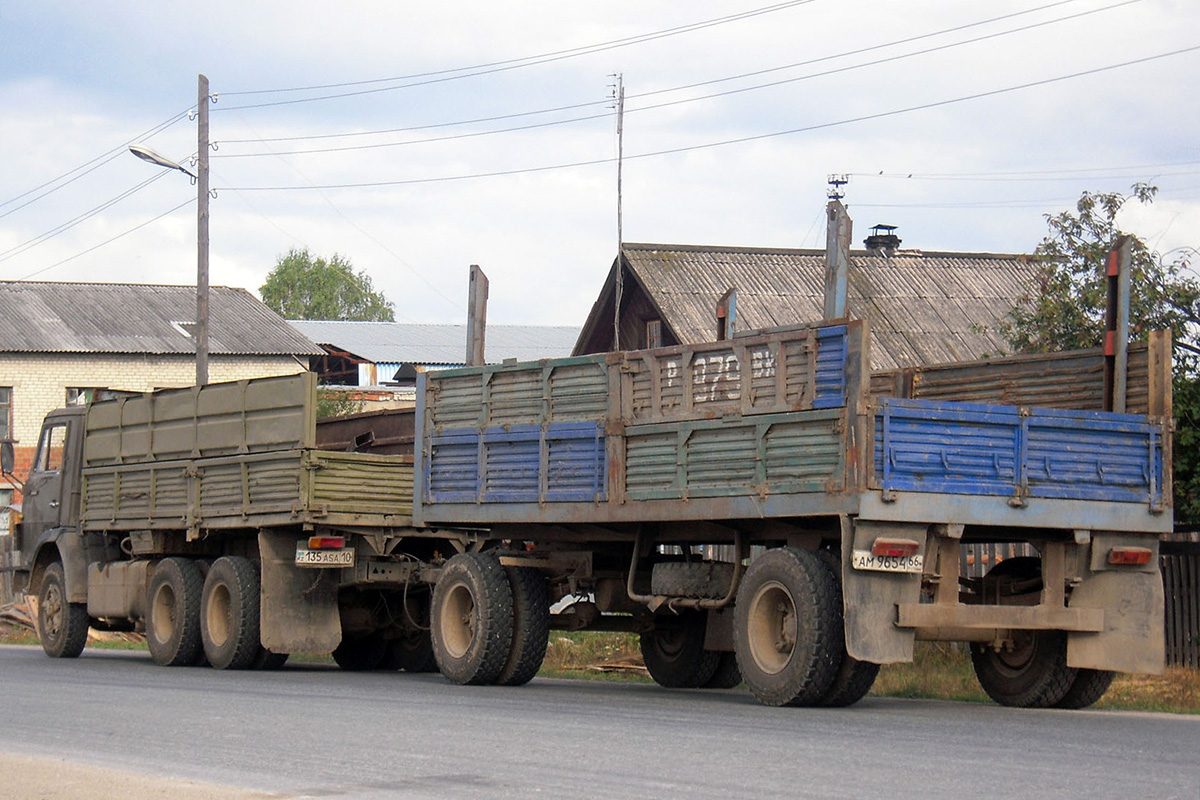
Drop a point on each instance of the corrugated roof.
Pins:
(923, 307)
(404, 343)
(47, 317)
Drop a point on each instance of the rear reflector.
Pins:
(900, 548)
(1130, 556)
(326, 542)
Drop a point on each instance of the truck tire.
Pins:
(267, 660)
(361, 653)
(1033, 673)
(727, 675)
(531, 626)
(787, 628)
(674, 651)
(1088, 687)
(472, 619)
(411, 652)
(229, 614)
(854, 678)
(173, 612)
(62, 625)
(709, 579)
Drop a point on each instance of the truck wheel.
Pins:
(173, 612)
(62, 625)
(727, 674)
(531, 626)
(361, 653)
(1089, 686)
(787, 628)
(267, 660)
(1033, 673)
(472, 619)
(229, 614)
(854, 678)
(674, 651)
(411, 652)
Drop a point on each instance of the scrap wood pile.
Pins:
(16, 614)
(23, 616)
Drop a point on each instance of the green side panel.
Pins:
(362, 483)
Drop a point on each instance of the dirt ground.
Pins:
(41, 778)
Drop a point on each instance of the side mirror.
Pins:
(8, 459)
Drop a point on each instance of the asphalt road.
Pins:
(313, 731)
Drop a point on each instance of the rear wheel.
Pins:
(229, 615)
(361, 653)
(531, 626)
(674, 651)
(1088, 687)
(854, 678)
(727, 674)
(788, 628)
(173, 612)
(62, 625)
(267, 660)
(411, 652)
(472, 619)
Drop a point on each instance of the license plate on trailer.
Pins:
(865, 559)
(324, 558)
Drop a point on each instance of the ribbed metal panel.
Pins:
(354, 482)
(455, 401)
(650, 461)
(805, 451)
(579, 392)
(515, 397)
(723, 458)
(452, 469)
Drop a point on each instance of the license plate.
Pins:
(865, 559)
(325, 558)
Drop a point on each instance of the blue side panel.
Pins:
(965, 448)
(831, 367)
(518, 464)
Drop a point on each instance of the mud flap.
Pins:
(299, 611)
(1133, 639)
(870, 598)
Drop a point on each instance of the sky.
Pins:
(416, 139)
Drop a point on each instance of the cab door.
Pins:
(46, 505)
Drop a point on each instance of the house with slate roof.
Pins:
(386, 353)
(922, 307)
(62, 342)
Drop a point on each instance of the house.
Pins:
(922, 307)
(61, 342)
(386, 353)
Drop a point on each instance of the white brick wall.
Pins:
(39, 380)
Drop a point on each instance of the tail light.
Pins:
(899, 548)
(1130, 556)
(326, 542)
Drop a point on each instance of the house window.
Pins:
(80, 396)
(5, 413)
(653, 333)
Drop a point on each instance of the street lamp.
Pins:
(201, 179)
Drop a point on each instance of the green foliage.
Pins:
(1065, 310)
(334, 403)
(303, 287)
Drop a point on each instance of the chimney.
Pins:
(883, 237)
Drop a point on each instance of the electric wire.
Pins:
(741, 139)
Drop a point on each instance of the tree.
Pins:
(303, 287)
(1065, 310)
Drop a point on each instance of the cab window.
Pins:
(50, 449)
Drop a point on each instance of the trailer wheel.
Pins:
(268, 660)
(531, 626)
(173, 613)
(727, 674)
(787, 624)
(1089, 686)
(1033, 671)
(361, 653)
(674, 651)
(62, 625)
(472, 619)
(229, 614)
(854, 678)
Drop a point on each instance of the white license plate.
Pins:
(865, 559)
(325, 558)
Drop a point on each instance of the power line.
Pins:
(682, 88)
(739, 140)
(1032, 175)
(109, 241)
(425, 78)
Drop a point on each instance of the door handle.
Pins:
(54, 504)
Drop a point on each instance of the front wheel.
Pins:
(788, 628)
(472, 619)
(62, 625)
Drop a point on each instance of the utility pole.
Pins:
(619, 91)
(837, 250)
(202, 234)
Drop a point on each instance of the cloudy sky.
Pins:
(416, 139)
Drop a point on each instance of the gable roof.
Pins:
(47, 317)
(404, 343)
(923, 307)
